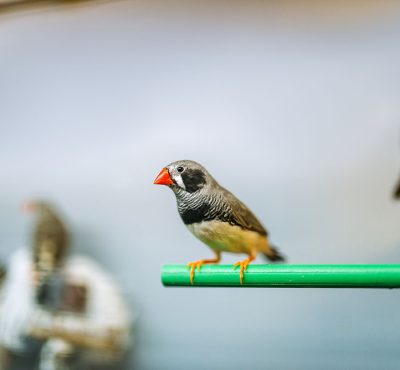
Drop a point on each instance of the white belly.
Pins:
(223, 237)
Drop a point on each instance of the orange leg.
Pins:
(243, 266)
(199, 263)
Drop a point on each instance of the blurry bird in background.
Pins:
(64, 312)
(50, 240)
(215, 216)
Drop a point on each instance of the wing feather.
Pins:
(241, 215)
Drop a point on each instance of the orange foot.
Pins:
(243, 266)
(198, 264)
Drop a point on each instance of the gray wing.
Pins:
(241, 215)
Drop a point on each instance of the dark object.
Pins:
(49, 292)
(55, 295)
(2, 273)
(74, 298)
(396, 193)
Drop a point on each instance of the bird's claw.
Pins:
(243, 266)
(192, 266)
(199, 263)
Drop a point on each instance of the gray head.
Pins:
(185, 176)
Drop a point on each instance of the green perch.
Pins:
(286, 276)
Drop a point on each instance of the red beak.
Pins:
(163, 178)
(28, 207)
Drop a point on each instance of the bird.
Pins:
(49, 241)
(49, 231)
(215, 216)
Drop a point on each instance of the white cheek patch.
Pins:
(179, 181)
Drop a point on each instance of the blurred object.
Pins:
(63, 310)
(55, 355)
(48, 228)
(2, 274)
(50, 240)
(396, 193)
(21, 5)
(11, 3)
(295, 12)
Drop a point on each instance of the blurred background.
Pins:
(293, 106)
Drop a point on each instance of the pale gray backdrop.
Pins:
(297, 113)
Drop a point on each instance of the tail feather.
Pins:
(274, 255)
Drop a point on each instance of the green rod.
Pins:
(286, 276)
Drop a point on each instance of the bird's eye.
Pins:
(180, 169)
